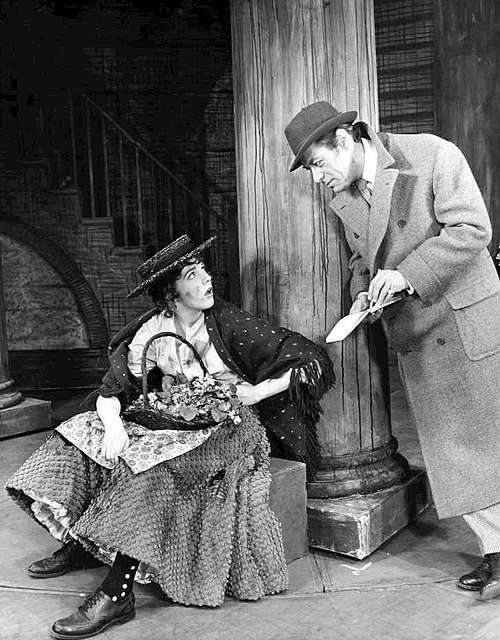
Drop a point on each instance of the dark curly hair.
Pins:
(164, 291)
(357, 131)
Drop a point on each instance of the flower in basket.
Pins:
(200, 401)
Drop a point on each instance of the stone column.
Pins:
(18, 415)
(9, 395)
(293, 265)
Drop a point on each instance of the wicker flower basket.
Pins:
(149, 417)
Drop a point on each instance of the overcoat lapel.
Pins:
(380, 210)
(352, 209)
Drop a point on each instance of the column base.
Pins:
(361, 473)
(357, 525)
(9, 395)
(29, 415)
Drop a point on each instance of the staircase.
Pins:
(84, 185)
(120, 179)
(100, 194)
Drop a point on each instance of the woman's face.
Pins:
(194, 288)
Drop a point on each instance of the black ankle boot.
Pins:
(491, 587)
(69, 557)
(97, 613)
(112, 603)
(476, 579)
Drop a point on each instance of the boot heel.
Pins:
(126, 618)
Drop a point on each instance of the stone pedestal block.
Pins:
(357, 525)
(287, 498)
(29, 415)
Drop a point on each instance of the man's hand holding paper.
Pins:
(385, 284)
(387, 288)
(361, 304)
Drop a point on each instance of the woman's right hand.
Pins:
(115, 440)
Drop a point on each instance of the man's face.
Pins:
(336, 168)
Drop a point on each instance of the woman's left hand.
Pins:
(248, 393)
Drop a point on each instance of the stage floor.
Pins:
(404, 591)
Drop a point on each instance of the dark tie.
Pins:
(364, 190)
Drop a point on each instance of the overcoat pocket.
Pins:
(477, 314)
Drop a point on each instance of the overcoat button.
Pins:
(356, 235)
(401, 223)
(441, 341)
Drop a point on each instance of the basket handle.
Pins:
(144, 354)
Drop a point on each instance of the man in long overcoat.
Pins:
(417, 225)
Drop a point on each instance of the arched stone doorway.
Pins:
(35, 256)
(56, 332)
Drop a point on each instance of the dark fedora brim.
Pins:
(343, 118)
(157, 276)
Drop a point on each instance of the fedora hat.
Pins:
(167, 259)
(310, 124)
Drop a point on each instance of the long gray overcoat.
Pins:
(428, 220)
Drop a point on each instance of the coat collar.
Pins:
(353, 210)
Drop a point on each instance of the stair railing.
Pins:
(119, 178)
(77, 143)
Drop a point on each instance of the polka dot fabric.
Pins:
(255, 350)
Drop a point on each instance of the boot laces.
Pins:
(90, 601)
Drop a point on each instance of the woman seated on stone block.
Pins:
(187, 510)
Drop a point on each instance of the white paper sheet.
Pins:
(347, 324)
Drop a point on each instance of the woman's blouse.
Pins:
(174, 357)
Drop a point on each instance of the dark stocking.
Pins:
(120, 580)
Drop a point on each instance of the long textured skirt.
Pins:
(199, 524)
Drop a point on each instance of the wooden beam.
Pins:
(294, 267)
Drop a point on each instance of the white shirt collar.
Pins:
(370, 167)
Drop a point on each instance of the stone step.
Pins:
(287, 498)
(35, 173)
(30, 415)
(357, 525)
(99, 233)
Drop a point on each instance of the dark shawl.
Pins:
(256, 350)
